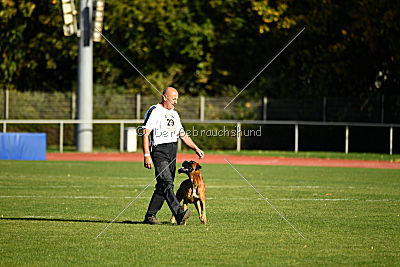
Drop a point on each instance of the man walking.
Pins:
(161, 129)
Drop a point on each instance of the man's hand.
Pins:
(189, 142)
(148, 162)
(200, 153)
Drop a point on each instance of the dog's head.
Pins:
(189, 167)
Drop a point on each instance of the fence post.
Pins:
(61, 137)
(238, 137)
(346, 149)
(138, 104)
(121, 137)
(382, 108)
(296, 138)
(6, 104)
(73, 105)
(324, 109)
(391, 140)
(202, 104)
(4, 127)
(265, 105)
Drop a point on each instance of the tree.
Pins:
(345, 48)
(184, 42)
(35, 56)
(211, 47)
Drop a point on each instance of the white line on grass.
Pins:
(210, 198)
(265, 67)
(140, 186)
(283, 217)
(213, 198)
(72, 177)
(51, 217)
(72, 197)
(280, 186)
(68, 186)
(307, 199)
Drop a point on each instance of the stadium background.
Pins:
(378, 110)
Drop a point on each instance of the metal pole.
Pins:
(238, 137)
(85, 78)
(138, 105)
(202, 104)
(61, 137)
(121, 137)
(73, 105)
(382, 108)
(391, 140)
(265, 106)
(296, 138)
(4, 127)
(324, 108)
(346, 149)
(6, 104)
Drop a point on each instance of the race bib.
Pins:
(170, 123)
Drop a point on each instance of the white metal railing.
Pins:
(238, 124)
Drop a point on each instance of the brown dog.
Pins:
(192, 190)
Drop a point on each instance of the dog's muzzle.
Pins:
(184, 170)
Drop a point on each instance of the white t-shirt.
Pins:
(164, 125)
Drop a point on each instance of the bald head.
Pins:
(169, 98)
(169, 90)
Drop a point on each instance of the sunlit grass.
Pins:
(51, 213)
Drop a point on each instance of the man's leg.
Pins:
(165, 166)
(180, 214)
(172, 201)
(157, 199)
(165, 187)
(156, 202)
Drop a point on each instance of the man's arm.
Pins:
(148, 162)
(189, 142)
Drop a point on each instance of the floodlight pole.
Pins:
(84, 140)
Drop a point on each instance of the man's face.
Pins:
(171, 98)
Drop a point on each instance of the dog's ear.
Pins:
(198, 167)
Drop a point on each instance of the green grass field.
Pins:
(51, 213)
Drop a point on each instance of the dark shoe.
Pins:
(151, 220)
(185, 216)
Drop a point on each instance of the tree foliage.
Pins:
(34, 54)
(211, 47)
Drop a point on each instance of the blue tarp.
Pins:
(23, 146)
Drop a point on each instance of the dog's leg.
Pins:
(184, 206)
(198, 207)
(203, 217)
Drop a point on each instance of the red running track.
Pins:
(251, 160)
